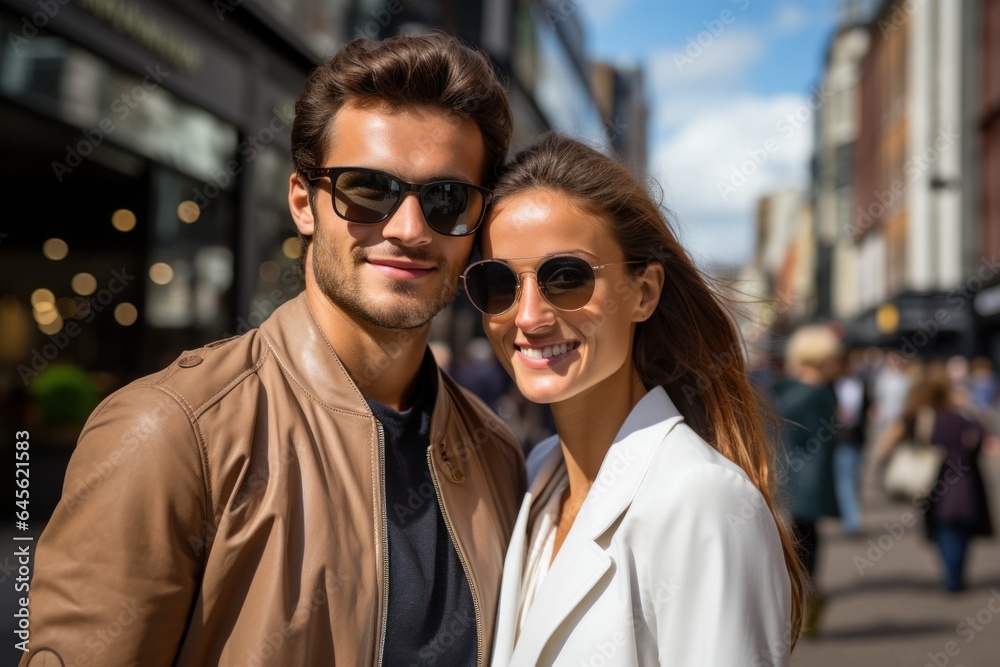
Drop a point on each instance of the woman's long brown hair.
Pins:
(691, 345)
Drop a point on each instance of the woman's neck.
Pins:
(588, 423)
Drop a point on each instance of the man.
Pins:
(314, 492)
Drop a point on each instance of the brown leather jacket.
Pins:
(229, 510)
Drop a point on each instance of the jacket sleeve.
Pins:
(717, 581)
(117, 566)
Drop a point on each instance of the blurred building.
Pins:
(780, 283)
(621, 101)
(987, 113)
(146, 157)
(914, 212)
(836, 258)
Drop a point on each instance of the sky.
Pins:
(727, 81)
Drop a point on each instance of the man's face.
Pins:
(399, 273)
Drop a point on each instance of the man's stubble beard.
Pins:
(342, 287)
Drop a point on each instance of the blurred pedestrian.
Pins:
(956, 510)
(983, 384)
(807, 406)
(853, 403)
(889, 388)
(479, 371)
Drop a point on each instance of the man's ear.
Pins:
(298, 204)
(650, 287)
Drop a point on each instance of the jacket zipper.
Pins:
(385, 543)
(454, 541)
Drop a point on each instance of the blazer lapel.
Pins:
(582, 561)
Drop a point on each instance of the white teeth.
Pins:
(548, 351)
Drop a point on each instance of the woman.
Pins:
(648, 535)
(956, 509)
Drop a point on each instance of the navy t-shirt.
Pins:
(431, 618)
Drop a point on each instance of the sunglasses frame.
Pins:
(333, 173)
(541, 290)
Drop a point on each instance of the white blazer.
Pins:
(674, 559)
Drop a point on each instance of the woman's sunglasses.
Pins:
(368, 196)
(565, 281)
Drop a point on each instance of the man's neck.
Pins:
(384, 363)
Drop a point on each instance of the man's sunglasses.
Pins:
(369, 196)
(565, 281)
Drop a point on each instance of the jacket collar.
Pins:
(624, 466)
(582, 559)
(308, 359)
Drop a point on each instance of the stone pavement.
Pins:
(884, 604)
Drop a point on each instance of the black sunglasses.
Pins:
(565, 281)
(368, 196)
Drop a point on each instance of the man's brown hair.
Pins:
(432, 70)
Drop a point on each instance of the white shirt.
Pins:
(545, 525)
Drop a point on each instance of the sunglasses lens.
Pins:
(491, 287)
(365, 196)
(451, 208)
(567, 282)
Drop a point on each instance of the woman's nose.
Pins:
(533, 311)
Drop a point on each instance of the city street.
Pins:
(897, 612)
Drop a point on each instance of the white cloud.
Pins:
(749, 145)
(789, 18)
(706, 59)
(600, 12)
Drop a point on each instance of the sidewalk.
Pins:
(896, 612)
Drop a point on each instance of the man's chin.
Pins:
(399, 313)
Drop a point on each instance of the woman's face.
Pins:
(529, 338)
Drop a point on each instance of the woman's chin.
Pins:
(545, 393)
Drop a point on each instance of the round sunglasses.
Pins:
(369, 196)
(565, 281)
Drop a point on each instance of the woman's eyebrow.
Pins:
(557, 253)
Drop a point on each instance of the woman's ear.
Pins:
(650, 287)
(298, 204)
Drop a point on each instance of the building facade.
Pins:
(913, 211)
(983, 275)
(837, 283)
